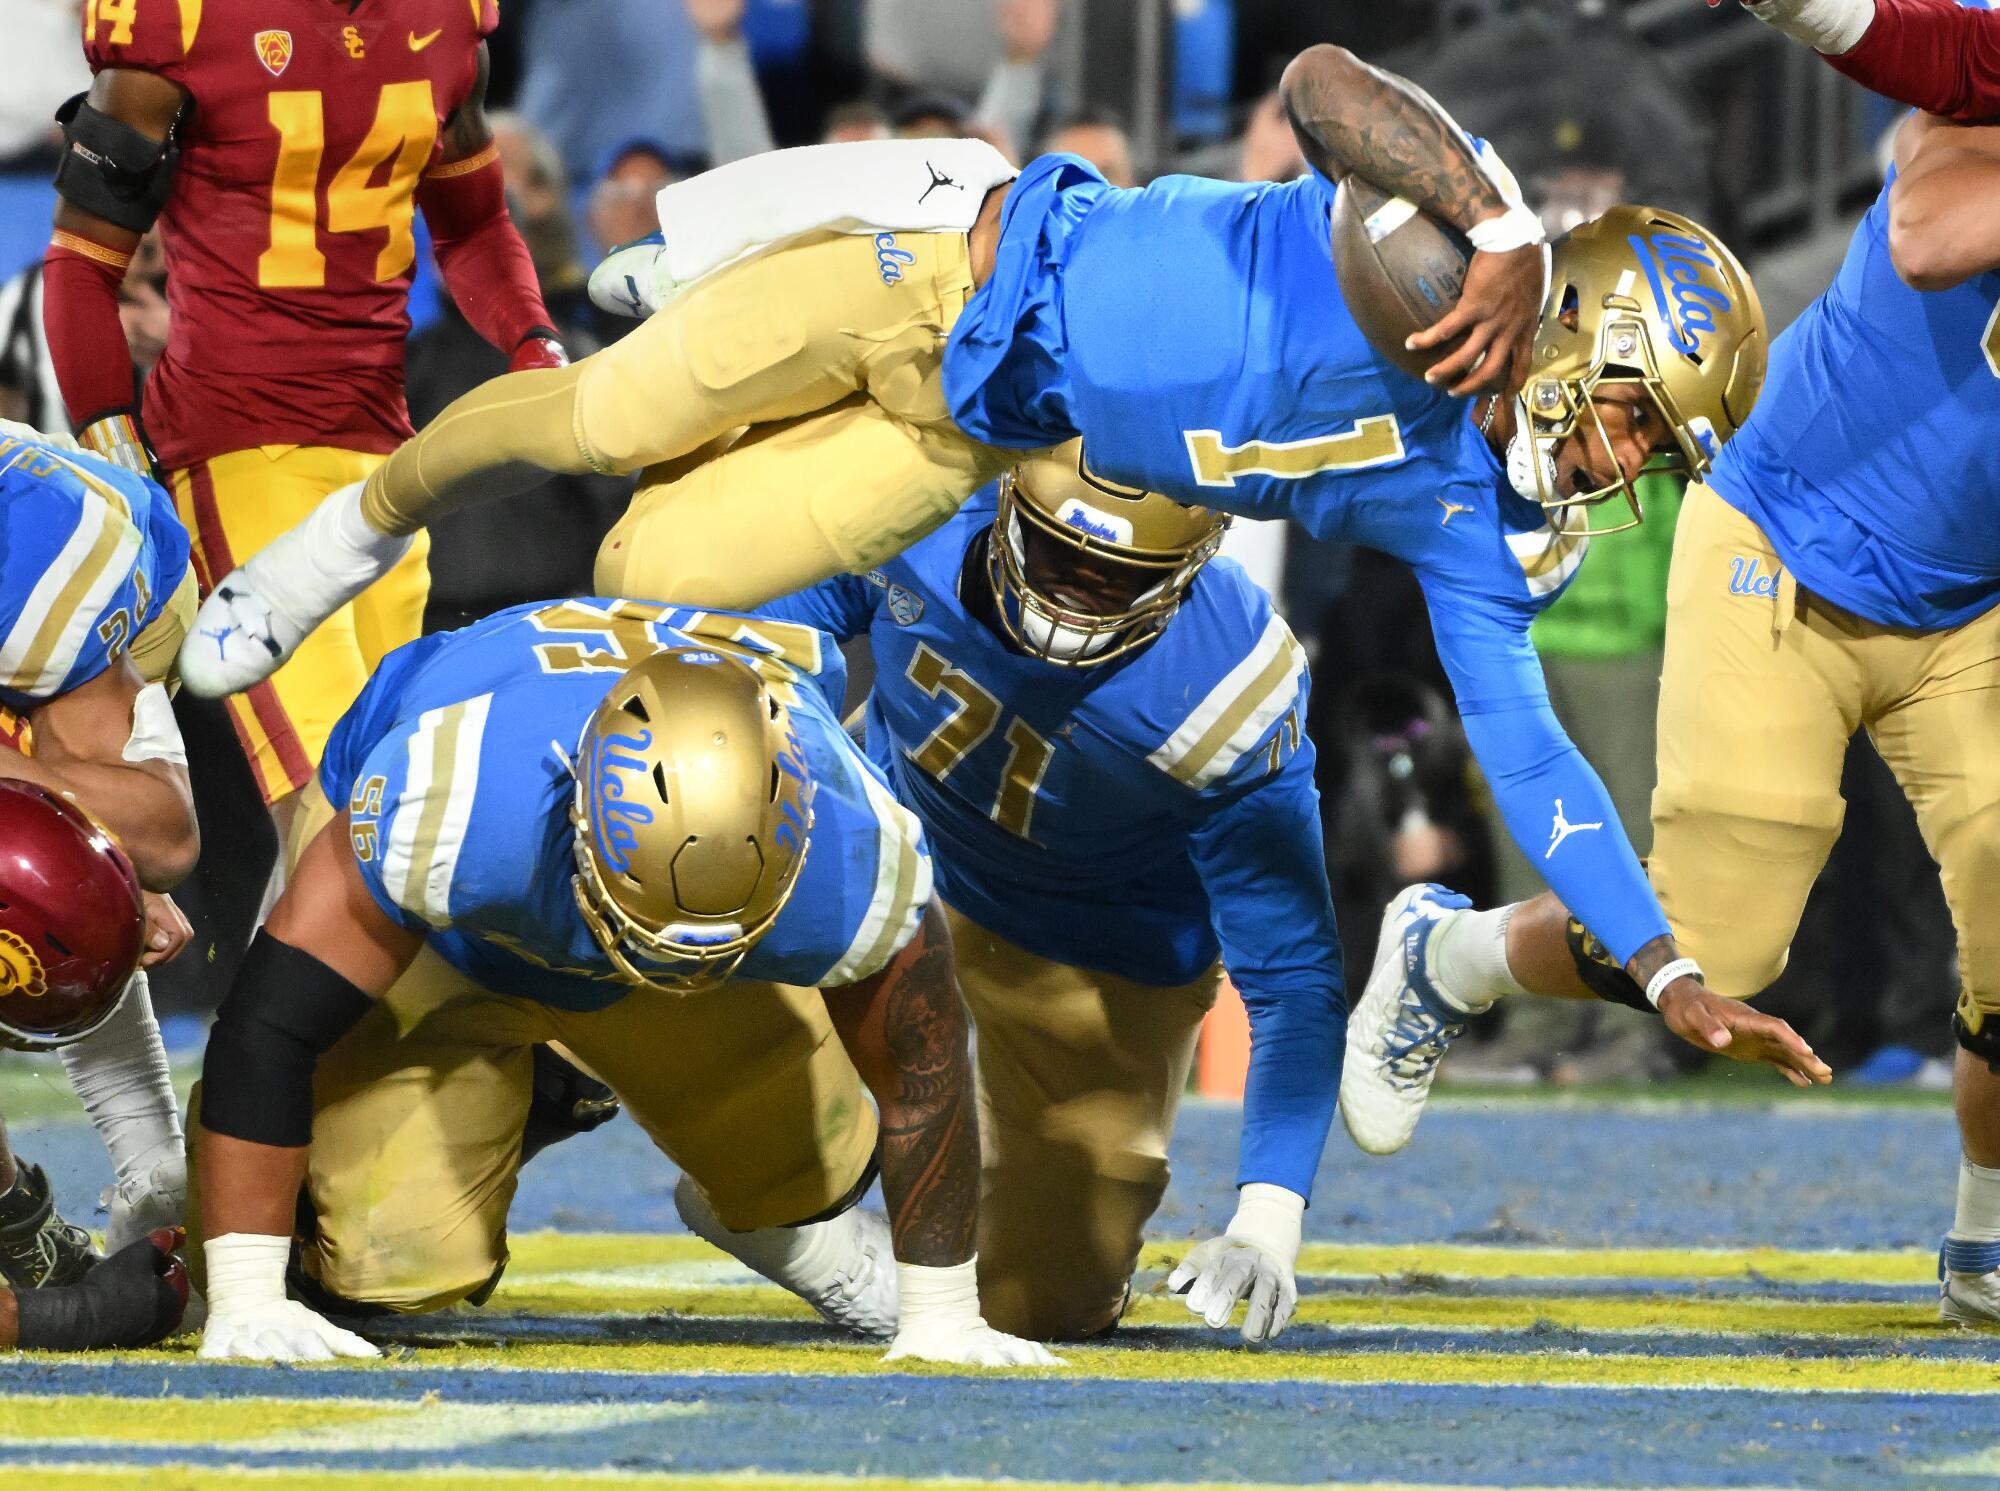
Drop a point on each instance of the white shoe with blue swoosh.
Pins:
(1401, 1029)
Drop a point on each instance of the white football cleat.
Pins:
(632, 279)
(844, 1268)
(1398, 1034)
(1969, 1284)
(244, 632)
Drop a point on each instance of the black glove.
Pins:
(133, 1298)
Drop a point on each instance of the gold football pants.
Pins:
(418, 1112)
(833, 365)
(1763, 684)
(1080, 1076)
(235, 504)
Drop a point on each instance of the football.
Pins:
(1399, 269)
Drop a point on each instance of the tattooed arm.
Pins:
(1354, 119)
(905, 1029)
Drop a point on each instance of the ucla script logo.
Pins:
(615, 819)
(1747, 577)
(791, 834)
(1683, 272)
(889, 260)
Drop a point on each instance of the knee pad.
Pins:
(1977, 1030)
(1601, 973)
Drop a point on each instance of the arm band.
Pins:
(284, 1011)
(85, 339)
(485, 265)
(110, 169)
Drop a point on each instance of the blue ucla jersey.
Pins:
(1140, 818)
(454, 766)
(1870, 460)
(89, 554)
(1193, 333)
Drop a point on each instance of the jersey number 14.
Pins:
(401, 138)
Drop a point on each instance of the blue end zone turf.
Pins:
(1647, 1295)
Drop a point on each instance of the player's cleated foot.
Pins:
(1398, 1034)
(844, 1268)
(1969, 1284)
(632, 279)
(255, 619)
(38, 1249)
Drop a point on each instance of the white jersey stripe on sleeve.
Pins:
(1235, 713)
(902, 889)
(69, 599)
(435, 808)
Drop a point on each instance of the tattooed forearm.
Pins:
(906, 1029)
(1353, 118)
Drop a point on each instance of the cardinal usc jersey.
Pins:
(1141, 818)
(454, 767)
(288, 236)
(89, 554)
(1870, 459)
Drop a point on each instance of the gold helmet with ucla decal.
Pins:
(691, 819)
(1640, 296)
(1139, 547)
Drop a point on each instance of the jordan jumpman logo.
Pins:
(1563, 828)
(1451, 510)
(938, 179)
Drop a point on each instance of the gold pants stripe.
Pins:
(1759, 694)
(1080, 1077)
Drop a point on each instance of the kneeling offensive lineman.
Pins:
(639, 832)
(1113, 804)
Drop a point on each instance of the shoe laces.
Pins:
(1418, 1035)
(57, 1253)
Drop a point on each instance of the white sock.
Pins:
(1978, 1217)
(1468, 956)
(311, 571)
(120, 1074)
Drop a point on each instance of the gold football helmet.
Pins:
(691, 818)
(1647, 297)
(1107, 528)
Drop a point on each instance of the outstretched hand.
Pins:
(1496, 315)
(1728, 1027)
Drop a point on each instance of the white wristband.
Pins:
(1679, 968)
(245, 1268)
(1827, 26)
(1269, 1217)
(1517, 228)
(943, 1296)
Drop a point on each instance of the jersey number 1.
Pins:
(401, 138)
(974, 714)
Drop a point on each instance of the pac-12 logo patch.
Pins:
(274, 50)
(21, 971)
(906, 607)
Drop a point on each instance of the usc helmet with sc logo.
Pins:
(72, 921)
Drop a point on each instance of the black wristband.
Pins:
(284, 1011)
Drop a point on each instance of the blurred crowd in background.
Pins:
(598, 103)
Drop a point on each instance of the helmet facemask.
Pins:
(1046, 628)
